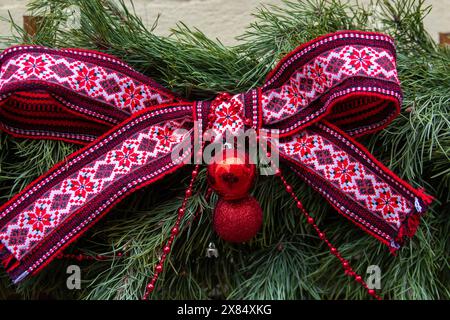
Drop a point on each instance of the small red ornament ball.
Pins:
(238, 220)
(231, 174)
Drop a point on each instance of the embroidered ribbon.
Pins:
(319, 97)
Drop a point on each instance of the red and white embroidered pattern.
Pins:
(34, 223)
(323, 72)
(94, 81)
(347, 174)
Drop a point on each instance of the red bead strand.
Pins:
(334, 251)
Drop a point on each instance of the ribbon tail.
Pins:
(61, 205)
(357, 185)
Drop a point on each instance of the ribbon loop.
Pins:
(231, 114)
(71, 95)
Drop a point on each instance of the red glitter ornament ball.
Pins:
(238, 220)
(231, 174)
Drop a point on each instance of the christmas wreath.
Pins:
(308, 112)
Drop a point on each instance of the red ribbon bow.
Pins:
(318, 98)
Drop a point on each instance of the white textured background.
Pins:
(217, 18)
